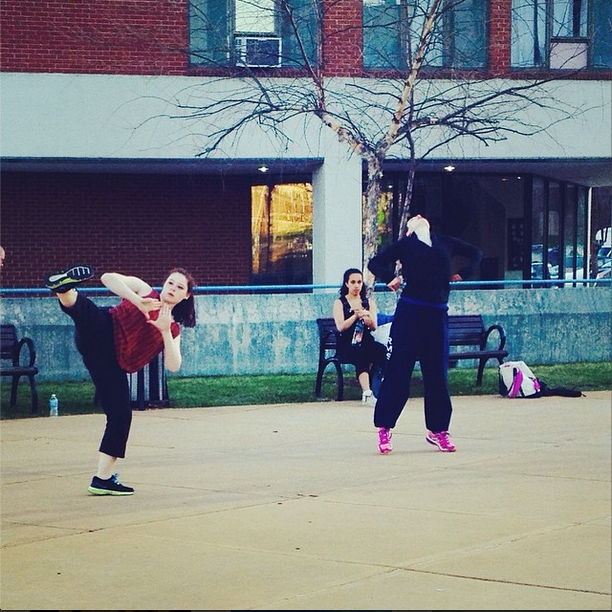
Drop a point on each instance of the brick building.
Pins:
(102, 158)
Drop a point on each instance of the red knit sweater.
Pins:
(136, 341)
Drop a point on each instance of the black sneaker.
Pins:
(62, 281)
(111, 486)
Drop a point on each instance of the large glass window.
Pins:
(561, 34)
(527, 227)
(253, 34)
(281, 230)
(392, 31)
(558, 230)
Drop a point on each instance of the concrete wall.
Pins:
(256, 334)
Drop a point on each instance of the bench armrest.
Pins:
(17, 353)
(502, 337)
(330, 332)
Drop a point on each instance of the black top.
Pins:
(426, 270)
(346, 337)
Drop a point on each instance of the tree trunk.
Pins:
(405, 206)
(370, 236)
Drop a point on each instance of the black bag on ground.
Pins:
(545, 390)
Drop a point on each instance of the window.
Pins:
(538, 206)
(561, 34)
(281, 234)
(554, 222)
(558, 230)
(573, 261)
(252, 33)
(528, 228)
(392, 30)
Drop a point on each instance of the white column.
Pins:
(337, 216)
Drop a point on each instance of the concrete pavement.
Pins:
(291, 507)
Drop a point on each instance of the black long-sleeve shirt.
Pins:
(426, 270)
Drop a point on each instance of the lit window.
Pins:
(281, 231)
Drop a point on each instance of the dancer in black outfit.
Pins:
(420, 327)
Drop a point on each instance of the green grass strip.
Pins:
(211, 391)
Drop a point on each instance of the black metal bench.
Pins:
(469, 330)
(328, 353)
(11, 362)
(464, 331)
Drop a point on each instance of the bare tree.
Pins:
(408, 114)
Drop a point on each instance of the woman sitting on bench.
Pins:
(356, 318)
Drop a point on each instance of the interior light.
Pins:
(449, 168)
(263, 168)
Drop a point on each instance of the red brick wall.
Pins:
(135, 224)
(101, 37)
(151, 36)
(343, 38)
(499, 36)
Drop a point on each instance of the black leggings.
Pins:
(95, 341)
(364, 357)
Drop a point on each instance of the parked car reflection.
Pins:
(604, 270)
(537, 264)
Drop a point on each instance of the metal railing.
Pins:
(224, 289)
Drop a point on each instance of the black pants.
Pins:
(418, 333)
(365, 356)
(95, 341)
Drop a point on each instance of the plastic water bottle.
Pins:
(53, 406)
(358, 333)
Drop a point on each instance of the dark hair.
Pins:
(184, 312)
(347, 274)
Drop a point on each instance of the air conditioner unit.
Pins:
(258, 51)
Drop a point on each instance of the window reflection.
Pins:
(561, 34)
(554, 221)
(258, 18)
(392, 30)
(281, 230)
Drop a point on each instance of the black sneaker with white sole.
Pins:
(110, 486)
(64, 280)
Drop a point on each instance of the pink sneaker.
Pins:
(440, 440)
(384, 440)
